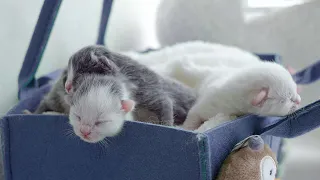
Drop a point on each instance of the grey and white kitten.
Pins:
(54, 101)
(169, 100)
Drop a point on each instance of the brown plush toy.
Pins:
(251, 159)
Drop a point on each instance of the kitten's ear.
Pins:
(105, 63)
(127, 105)
(260, 98)
(68, 86)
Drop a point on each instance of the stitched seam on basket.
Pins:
(5, 152)
(203, 150)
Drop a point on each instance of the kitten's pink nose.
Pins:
(85, 132)
(298, 100)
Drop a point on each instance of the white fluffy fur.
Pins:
(214, 122)
(99, 112)
(166, 54)
(234, 93)
(170, 61)
(226, 78)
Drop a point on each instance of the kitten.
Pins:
(172, 61)
(167, 54)
(168, 99)
(265, 89)
(54, 101)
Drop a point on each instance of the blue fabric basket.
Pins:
(36, 147)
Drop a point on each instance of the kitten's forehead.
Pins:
(93, 86)
(278, 76)
(95, 103)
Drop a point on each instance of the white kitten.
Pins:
(213, 54)
(264, 88)
(173, 61)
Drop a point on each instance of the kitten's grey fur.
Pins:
(54, 100)
(168, 99)
(95, 81)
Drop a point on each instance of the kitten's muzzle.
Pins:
(297, 100)
(85, 131)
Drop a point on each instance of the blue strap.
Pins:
(308, 75)
(49, 11)
(107, 5)
(37, 45)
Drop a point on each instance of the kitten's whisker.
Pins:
(69, 133)
(103, 144)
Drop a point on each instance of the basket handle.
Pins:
(106, 10)
(309, 74)
(41, 34)
(296, 124)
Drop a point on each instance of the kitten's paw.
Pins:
(52, 113)
(26, 111)
(166, 122)
(220, 117)
(214, 122)
(192, 122)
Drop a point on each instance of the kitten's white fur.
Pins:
(98, 105)
(225, 76)
(214, 122)
(234, 93)
(168, 53)
(170, 61)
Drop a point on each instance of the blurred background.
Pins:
(289, 28)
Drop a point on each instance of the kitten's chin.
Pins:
(97, 138)
(92, 140)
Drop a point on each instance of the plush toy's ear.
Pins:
(127, 105)
(260, 98)
(256, 143)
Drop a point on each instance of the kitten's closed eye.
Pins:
(100, 122)
(78, 117)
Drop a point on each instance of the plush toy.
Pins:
(251, 159)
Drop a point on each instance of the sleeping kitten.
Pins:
(171, 61)
(180, 50)
(168, 99)
(54, 102)
(265, 89)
